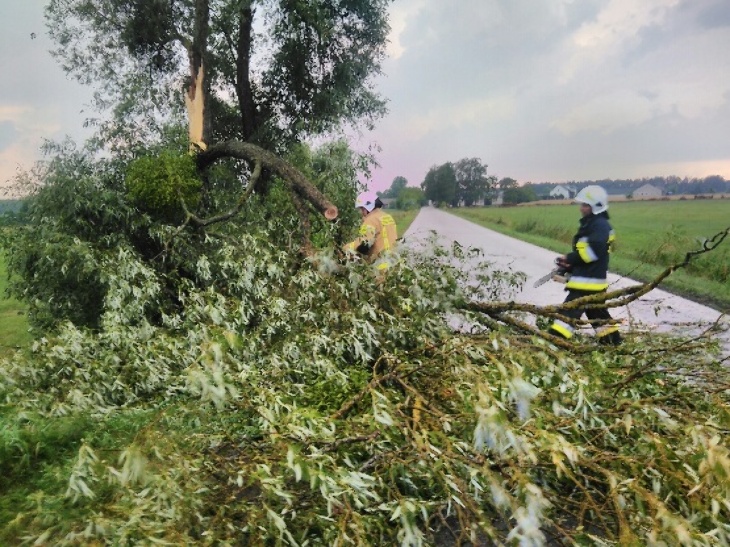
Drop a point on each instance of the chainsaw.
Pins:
(560, 274)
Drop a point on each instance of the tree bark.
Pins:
(243, 82)
(270, 161)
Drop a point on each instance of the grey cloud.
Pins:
(451, 52)
(690, 18)
(667, 138)
(713, 14)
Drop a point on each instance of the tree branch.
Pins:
(270, 161)
(612, 299)
(191, 218)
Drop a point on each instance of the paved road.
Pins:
(658, 310)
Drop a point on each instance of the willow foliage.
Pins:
(318, 404)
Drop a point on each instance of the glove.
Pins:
(562, 263)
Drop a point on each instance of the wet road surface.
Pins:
(657, 311)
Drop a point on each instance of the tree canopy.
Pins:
(465, 181)
(398, 184)
(474, 184)
(439, 185)
(256, 79)
(273, 71)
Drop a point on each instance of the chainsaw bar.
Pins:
(545, 278)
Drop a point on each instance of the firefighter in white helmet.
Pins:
(588, 266)
(377, 234)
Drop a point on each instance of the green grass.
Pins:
(13, 323)
(37, 453)
(403, 219)
(651, 235)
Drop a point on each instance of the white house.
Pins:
(647, 191)
(562, 191)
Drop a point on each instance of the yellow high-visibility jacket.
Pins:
(377, 235)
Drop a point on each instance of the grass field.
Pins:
(403, 219)
(651, 235)
(13, 324)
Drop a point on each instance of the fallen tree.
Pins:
(319, 406)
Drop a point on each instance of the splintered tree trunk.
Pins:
(198, 117)
(195, 102)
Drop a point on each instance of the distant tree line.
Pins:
(466, 183)
(404, 197)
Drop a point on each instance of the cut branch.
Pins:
(270, 161)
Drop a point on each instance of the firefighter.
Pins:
(377, 234)
(587, 264)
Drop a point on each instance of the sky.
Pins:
(539, 90)
(37, 100)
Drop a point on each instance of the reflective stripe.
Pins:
(586, 283)
(611, 239)
(386, 242)
(606, 330)
(368, 232)
(386, 220)
(562, 328)
(385, 261)
(586, 252)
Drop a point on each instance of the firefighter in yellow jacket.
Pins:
(377, 234)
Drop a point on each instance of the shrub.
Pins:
(159, 185)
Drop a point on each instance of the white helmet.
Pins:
(366, 200)
(595, 196)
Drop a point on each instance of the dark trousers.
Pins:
(599, 318)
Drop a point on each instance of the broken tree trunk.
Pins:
(195, 103)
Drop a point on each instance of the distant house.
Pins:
(499, 199)
(562, 191)
(388, 203)
(647, 191)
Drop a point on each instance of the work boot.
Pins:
(611, 339)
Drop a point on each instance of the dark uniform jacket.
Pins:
(589, 257)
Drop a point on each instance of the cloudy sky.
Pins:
(37, 100)
(540, 90)
(555, 90)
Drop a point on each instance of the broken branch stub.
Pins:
(195, 103)
(251, 152)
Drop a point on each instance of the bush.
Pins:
(160, 184)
